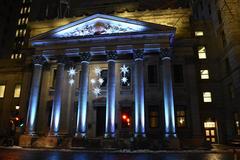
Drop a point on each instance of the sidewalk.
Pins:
(216, 149)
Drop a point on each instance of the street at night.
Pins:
(19, 154)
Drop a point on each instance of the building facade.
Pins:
(158, 74)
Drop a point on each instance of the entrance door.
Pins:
(210, 132)
(100, 121)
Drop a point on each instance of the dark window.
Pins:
(152, 74)
(227, 65)
(178, 73)
(219, 17)
(201, 5)
(231, 91)
(104, 77)
(223, 39)
(181, 119)
(153, 117)
(209, 9)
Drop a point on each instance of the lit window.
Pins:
(19, 21)
(23, 20)
(21, 11)
(204, 74)
(17, 91)
(209, 124)
(22, 43)
(17, 32)
(202, 52)
(20, 56)
(153, 118)
(199, 33)
(12, 56)
(17, 107)
(207, 97)
(25, 10)
(237, 123)
(20, 32)
(24, 32)
(29, 10)
(23, 1)
(16, 56)
(2, 91)
(26, 21)
(181, 119)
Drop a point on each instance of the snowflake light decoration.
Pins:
(71, 75)
(97, 82)
(93, 81)
(97, 91)
(98, 71)
(124, 69)
(124, 80)
(100, 80)
(71, 72)
(71, 81)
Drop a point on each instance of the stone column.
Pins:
(111, 96)
(57, 99)
(81, 128)
(34, 95)
(139, 94)
(170, 130)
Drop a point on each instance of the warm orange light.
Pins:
(124, 117)
(128, 124)
(17, 118)
(128, 120)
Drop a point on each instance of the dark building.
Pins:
(105, 70)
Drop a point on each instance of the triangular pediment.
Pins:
(100, 24)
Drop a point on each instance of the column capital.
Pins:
(166, 53)
(39, 59)
(85, 56)
(61, 59)
(138, 54)
(111, 55)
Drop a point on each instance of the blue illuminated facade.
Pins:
(103, 104)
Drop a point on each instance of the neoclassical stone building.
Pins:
(152, 75)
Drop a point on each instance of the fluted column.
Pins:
(139, 94)
(34, 95)
(111, 96)
(81, 128)
(170, 130)
(57, 99)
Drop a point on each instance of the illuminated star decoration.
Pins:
(71, 72)
(97, 91)
(93, 81)
(124, 80)
(71, 81)
(97, 82)
(100, 80)
(98, 71)
(71, 75)
(124, 70)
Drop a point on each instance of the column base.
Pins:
(171, 142)
(80, 135)
(139, 135)
(26, 140)
(46, 142)
(109, 135)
